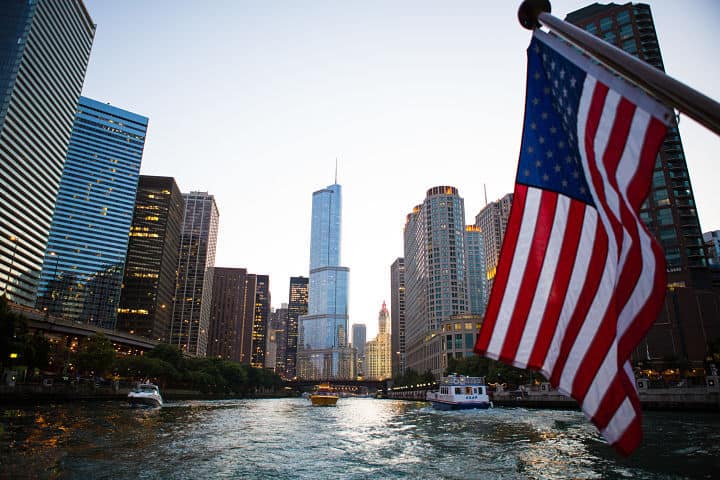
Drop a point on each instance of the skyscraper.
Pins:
(260, 323)
(193, 293)
(397, 316)
(85, 256)
(691, 317)
(146, 299)
(435, 275)
(492, 220)
(232, 314)
(323, 351)
(297, 306)
(44, 50)
(377, 352)
(278, 328)
(359, 338)
(475, 263)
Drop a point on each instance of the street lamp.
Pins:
(13, 239)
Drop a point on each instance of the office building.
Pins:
(84, 261)
(359, 338)
(40, 84)
(146, 299)
(277, 340)
(397, 316)
(297, 306)
(435, 275)
(691, 315)
(475, 263)
(378, 360)
(492, 221)
(260, 323)
(232, 315)
(323, 351)
(193, 293)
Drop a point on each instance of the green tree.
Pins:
(13, 329)
(36, 351)
(96, 354)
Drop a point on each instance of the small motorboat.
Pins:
(145, 395)
(458, 392)
(324, 396)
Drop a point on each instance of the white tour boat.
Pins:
(460, 392)
(145, 394)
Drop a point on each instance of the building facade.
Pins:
(193, 292)
(297, 306)
(40, 85)
(691, 315)
(459, 334)
(232, 314)
(475, 263)
(435, 275)
(260, 323)
(277, 340)
(359, 338)
(492, 221)
(146, 298)
(84, 262)
(378, 358)
(397, 316)
(323, 351)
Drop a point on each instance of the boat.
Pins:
(145, 395)
(458, 392)
(324, 396)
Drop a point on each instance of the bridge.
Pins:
(358, 387)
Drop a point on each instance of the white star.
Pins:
(560, 101)
(552, 65)
(544, 115)
(536, 76)
(562, 73)
(544, 57)
(541, 140)
(582, 190)
(530, 149)
(546, 177)
(573, 81)
(527, 172)
(549, 154)
(564, 183)
(546, 91)
(561, 144)
(533, 125)
(538, 163)
(536, 48)
(564, 92)
(557, 167)
(569, 110)
(555, 82)
(576, 174)
(568, 159)
(535, 101)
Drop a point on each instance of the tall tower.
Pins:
(323, 351)
(297, 306)
(435, 274)
(691, 317)
(231, 315)
(44, 50)
(377, 352)
(146, 300)
(193, 294)
(278, 329)
(359, 337)
(397, 316)
(260, 323)
(492, 221)
(85, 257)
(475, 262)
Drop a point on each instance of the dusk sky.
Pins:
(252, 101)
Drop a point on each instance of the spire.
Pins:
(335, 170)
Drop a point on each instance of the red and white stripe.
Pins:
(578, 287)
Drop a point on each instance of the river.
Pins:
(358, 439)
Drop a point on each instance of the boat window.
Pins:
(458, 390)
(468, 390)
(474, 390)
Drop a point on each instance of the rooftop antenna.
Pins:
(335, 170)
(485, 187)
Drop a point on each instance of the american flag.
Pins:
(580, 279)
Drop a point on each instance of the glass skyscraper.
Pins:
(475, 262)
(85, 256)
(260, 322)
(323, 351)
(44, 50)
(397, 315)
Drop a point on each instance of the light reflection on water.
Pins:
(358, 439)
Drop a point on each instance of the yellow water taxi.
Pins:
(324, 396)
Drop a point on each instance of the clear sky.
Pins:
(253, 101)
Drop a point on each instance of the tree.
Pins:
(37, 351)
(13, 328)
(96, 354)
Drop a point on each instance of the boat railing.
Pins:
(462, 380)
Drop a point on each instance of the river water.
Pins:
(358, 439)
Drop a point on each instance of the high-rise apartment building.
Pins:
(44, 51)
(232, 314)
(492, 220)
(691, 317)
(84, 262)
(297, 306)
(359, 338)
(277, 340)
(260, 323)
(193, 293)
(323, 351)
(435, 275)
(397, 316)
(378, 360)
(146, 299)
(475, 263)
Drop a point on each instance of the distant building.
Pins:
(85, 256)
(44, 51)
(359, 337)
(323, 351)
(260, 324)
(397, 316)
(193, 294)
(277, 340)
(146, 299)
(232, 315)
(378, 360)
(435, 275)
(459, 334)
(492, 220)
(475, 264)
(297, 306)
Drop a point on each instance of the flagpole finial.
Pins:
(530, 10)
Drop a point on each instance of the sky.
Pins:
(254, 101)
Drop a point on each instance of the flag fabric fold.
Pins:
(580, 279)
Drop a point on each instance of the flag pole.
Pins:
(536, 13)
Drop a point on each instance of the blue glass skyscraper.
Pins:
(323, 351)
(84, 261)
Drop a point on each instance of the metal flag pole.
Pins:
(536, 13)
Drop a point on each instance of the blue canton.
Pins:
(549, 158)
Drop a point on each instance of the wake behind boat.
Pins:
(145, 395)
(459, 392)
